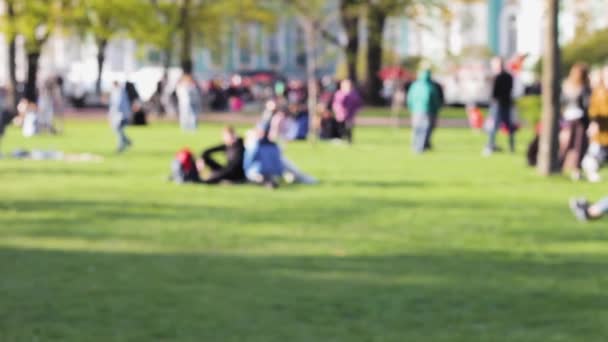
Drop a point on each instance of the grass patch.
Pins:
(389, 247)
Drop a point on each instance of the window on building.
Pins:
(300, 48)
(245, 45)
(274, 54)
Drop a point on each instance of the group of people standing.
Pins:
(584, 132)
(38, 110)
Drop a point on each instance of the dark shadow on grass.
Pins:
(443, 296)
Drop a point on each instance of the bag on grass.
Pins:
(183, 168)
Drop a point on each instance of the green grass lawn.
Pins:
(390, 246)
(385, 112)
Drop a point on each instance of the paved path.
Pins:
(238, 118)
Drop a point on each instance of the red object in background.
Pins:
(475, 117)
(395, 73)
(263, 78)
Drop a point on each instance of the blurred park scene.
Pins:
(311, 170)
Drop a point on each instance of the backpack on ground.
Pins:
(183, 168)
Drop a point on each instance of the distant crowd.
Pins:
(259, 156)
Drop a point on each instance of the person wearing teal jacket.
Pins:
(423, 101)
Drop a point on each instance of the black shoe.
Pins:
(580, 209)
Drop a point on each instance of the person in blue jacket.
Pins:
(262, 163)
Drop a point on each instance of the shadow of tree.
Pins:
(444, 296)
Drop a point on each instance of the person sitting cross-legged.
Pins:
(585, 211)
(234, 150)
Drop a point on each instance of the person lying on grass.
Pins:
(585, 211)
(234, 150)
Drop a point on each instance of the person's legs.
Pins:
(599, 209)
(348, 131)
(341, 129)
(592, 162)
(420, 123)
(504, 113)
(298, 175)
(123, 141)
(584, 211)
(495, 117)
(429, 132)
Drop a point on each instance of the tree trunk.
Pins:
(12, 58)
(186, 55)
(310, 32)
(31, 90)
(548, 162)
(376, 21)
(351, 27)
(101, 57)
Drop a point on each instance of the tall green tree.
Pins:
(199, 22)
(10, 33)
(107, 19)
(34, 21)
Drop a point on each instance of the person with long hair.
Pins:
(576, 93)
(598, 128)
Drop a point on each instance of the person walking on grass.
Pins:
(423, 101)
(119, 113)
(189, 102)
(501, 106)
(585, 211)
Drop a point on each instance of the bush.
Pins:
(530, 109)
(591, 49)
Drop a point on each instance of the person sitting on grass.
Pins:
(585, 211)
(262, 163)
(234, 150)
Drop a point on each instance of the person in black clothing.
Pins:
(434, 117)
(500, 107)
(139, 115)
(234, 149)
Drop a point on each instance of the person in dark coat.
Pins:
(434, 117)
(139, 115)
(232, 171)
(501, 106)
